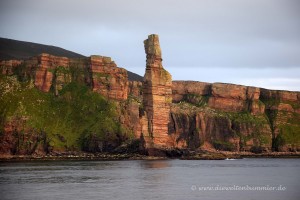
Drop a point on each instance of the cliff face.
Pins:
(7, 66)
(161, 113)
(98, 72)
(234, 117)
(54, 97)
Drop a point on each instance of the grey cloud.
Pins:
(240, 34)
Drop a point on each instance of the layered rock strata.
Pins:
(234, 117)
(157, 97)
(98, 72)
(8, 66)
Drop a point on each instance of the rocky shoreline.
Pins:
(223, 155)
(220, 155)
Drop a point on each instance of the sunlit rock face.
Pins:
(234, 117)
(157, 96)
(98, 72)
(108, 79)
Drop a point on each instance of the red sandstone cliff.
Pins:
(99, 72)
(178, 114)
(234, 117)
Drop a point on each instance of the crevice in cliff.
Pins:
(271, 115)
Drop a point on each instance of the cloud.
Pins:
(237, 34)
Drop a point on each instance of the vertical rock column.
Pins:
(157, 96)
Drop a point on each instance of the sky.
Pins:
(247, 42)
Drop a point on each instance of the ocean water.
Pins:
(242, 179)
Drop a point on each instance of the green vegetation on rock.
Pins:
(76, 119)
(286, 123)
(289, 134)
(197, 100)
(222, 145)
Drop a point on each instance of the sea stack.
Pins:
(157, 96)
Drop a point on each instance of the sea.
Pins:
(241, 179)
